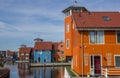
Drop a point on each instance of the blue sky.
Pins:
(23, 20)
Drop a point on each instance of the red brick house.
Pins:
(58, 52)
(10, 54)
(25, 53)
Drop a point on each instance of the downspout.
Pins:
(82, 50)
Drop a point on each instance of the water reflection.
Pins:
(48, 72)
(21, 71)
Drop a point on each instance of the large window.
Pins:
(117, 61)
(67, 43)
(118, 37)
(96, 37)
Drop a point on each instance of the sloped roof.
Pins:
(55, 45)
(43, 46)
(25, 49)
(96, 19)
(10, 53)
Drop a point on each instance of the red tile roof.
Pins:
(55, 46)
(95, 19)
(25, 49)
(10, 53)
(43, 46)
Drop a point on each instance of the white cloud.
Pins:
(2, 24)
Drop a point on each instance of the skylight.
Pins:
(106, 18)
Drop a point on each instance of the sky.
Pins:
(21, 21)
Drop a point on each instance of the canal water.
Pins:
(17, 71)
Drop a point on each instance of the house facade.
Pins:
(10, 54)
(58, 52)
(92, 40)
(42, 52)
(25, 53)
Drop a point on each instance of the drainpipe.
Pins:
(82, 50)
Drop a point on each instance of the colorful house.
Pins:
(55, 55)
(25, 53)
(42, 51)
(61, 52)
(10, 54)
(58, 52)
(92, 40)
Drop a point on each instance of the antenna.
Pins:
(75, 2)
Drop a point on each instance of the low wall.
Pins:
(4, 73)
(67, 74)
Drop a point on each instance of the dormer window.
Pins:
(106, 18)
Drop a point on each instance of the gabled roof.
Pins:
(96, 19)
(25, 49)
(43, 46)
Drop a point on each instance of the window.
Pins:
(62, 52)
(67, 43)
(106, 18)
(27, 54)
(117, 61)
(61, 46)
(118, 37)
(39, 52)
(55, 52)
(67, 13)
(22, 54)
(26, 58)
(47, 51)
(67, 28)
(96, 37)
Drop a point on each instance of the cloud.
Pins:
(2, 24)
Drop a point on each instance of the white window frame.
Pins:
(68, 43)
(96, 42)
(115, 61)
(26, 58)
(27, 54)
(67, 28)
(22, 54)
(117, 37)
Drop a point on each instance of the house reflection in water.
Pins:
(41, 72)
(48, 72)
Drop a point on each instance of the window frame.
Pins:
(67, 29)
(117, 37)
(115, 61)
(96, 35)
(68, 45)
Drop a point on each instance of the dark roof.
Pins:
(55, 45)
(96, 19)
(74, 8)
(43, 46)
(38, 39)
(25, 49)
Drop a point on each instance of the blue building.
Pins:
(42, 51)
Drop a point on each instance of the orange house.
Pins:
(92, 40)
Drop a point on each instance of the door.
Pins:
(95, 65)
